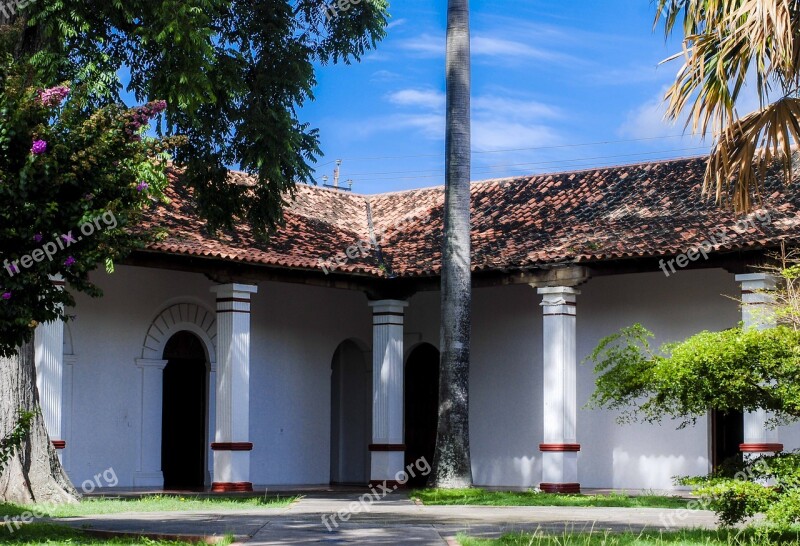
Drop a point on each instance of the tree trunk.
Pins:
(452, 467)
(34, 473)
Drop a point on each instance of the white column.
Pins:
(212, 427)
(757, 313)
(149, 473)
(231, 446)
(387, 447)
(49, 351)
(559, 448)
(66, 410)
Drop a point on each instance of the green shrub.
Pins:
(736, 500)
(767, 485)
(786, 509)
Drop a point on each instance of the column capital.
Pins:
(150, 363)
(558, 290)
(757, 281)
(558, 300)
(58, 280)
(234, 290)
(392, 306)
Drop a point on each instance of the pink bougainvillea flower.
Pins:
(158, 106)
(53, 96)
(38, 237)
(141, 186)
(69, 261)
(39, 147)
(6, 295)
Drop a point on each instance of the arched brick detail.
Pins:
(178, 317)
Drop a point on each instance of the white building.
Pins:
(222, 362)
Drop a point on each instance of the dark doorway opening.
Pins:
(183, 427)
(351, 415)
(421, 407)
(727, 433)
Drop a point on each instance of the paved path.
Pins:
(394, 520)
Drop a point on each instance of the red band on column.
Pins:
(387, 447)
(561, 488)
(59, 444)
(231, 487)
(232, 446)
(760, 448)
(561, 448)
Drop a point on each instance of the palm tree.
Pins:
(452, 467)
(728, 43)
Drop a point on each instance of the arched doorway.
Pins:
(421, 406)
(351, 414)
(184, 412)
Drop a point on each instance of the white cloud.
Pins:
(498, 134)
(384, 76)
(648, 119)
(425, 45)
(513, 108)
(489, 46)
(423, 98)
(630, 75)
(483, 45)
(497, 121)
(396, 23)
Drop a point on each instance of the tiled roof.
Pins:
(318, 224)
(644, 210)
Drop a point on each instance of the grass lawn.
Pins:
(679, 538)
(156, 503)
(59, 535)
(480, 497)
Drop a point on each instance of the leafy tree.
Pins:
(730, 44)
(224, 80)
(73, 180)
(731, 370)
(737, 369)
(452, 467)
(233, 75)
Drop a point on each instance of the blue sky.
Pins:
(566, 85)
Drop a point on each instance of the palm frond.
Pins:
(747, 149)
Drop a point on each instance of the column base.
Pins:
(392, 485)
(760, 448)
(231, 487)
(561, 488)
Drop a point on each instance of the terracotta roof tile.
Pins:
(631, 211)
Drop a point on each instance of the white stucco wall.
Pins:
(645, 456)
(507, 358)
(296, 330)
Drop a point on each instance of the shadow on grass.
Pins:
(59, 535)
(152, 503)
(722, 537)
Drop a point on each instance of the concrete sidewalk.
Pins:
(393, 520)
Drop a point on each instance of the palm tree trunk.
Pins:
(34, 474)
(452, 467)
